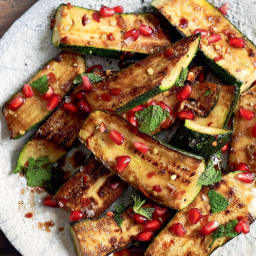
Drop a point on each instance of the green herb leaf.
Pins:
(41, 84)
(150, 118)
(137, 208)
(207, 93)
(38, 171)
(118, 210)
(227, 230)
(93, 77)
(182, 77)
(218, 202)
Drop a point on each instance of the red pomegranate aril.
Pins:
(224, 148)
(96, 16)
(119, 9)
(152, 225)
(27, 91)
(62, 202)
(92, 68)
(110, 37)
(106, 11)
(157, 188)
(224, 9)
(50, 202)
(183, 23)
(116, 137)
(169, 53)
(194, 215)
(150, 175)
(132, 118)
(214, 38)
(246, 177)
(242, 167)
(237, 42)
(70, 107)
(254, 131)
(186, 114)
(53, 102)
(246, 114)
(146, 30)
(218, 58)
(141, 147)
(86, 83)
(178, 229)
(84, 106)
(80, 95)
(84, 20)
(49, 93)
(139, 218)
(242, 227)
(16, 103)
(51, 77)
(159, 212)
(164, 106)
(144, 236)
(210, 227)
(115, 92)
(184, 93)
(133, 34)
(137, 108)
(122, 162)
(69, 5)
(75, 216)
(106, 97)
(203, 32)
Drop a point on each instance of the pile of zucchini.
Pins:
(180, 186)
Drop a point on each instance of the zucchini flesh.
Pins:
(243, 142)
(101, 189)
(65, 68)
(241, 197)
(92, 38)
(160, 162)
(144, 79)
(202, 15)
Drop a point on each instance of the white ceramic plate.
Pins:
(23, 50)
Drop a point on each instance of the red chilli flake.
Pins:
(84, 20)
(110, 37)
(151, 174)
(218, 58)
(157, 188)
(96, 16)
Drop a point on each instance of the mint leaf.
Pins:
(227, 230)
(118, 210)
(38, 171)
(207, 93)
(150, 118)
(41, 84)
(218, 202)
(93, 77)
(137, 207)
(182, 77)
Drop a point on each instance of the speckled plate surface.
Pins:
(23, 50)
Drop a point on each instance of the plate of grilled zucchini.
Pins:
(129, 128)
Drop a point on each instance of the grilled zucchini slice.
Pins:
(34, 110)
(91, 190)
(200, 14)
(76, 30)
(243, 145)
(151, 172)
(195, 243)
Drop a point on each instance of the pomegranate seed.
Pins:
(237, 42)
(186, 114)
(51, 77)
(92, 68)
(75, 216)
(133, 34)
(86, 83)
(53, 102)
(62, 202)
(16, 103)
(69, 5)
(84, 106)
(28, 215)
(164, 106)
(246, 114)
(159, 213)
(115, 185)
(157, 188)
(80, 95)
(49, 93)
(203, 32)
(146, 30)
(152, 225)
(141, 147)
(137, 108)
(110, 214)
(106, 11)
(184, 93)
(110, 37)
(151, 174)
(144, 236)
(242, 227)
(254, 131)
(27, 91)
(116, 137)
(169, 53)
(64, 40)
(85, 178)
(210, 227)
(106, 97)
(139, 218)
(177, 229)
(122, 162)
(115, 92)
(194, 215)
(119, 9)
(209, 124)
(96, 16)
(242, 167)
(70, 107)
(224, 9)
(183, 23)
(214, 38)
(132, 119)
(218, 58)
(49, 201)
(246, 177)
(224, 148)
